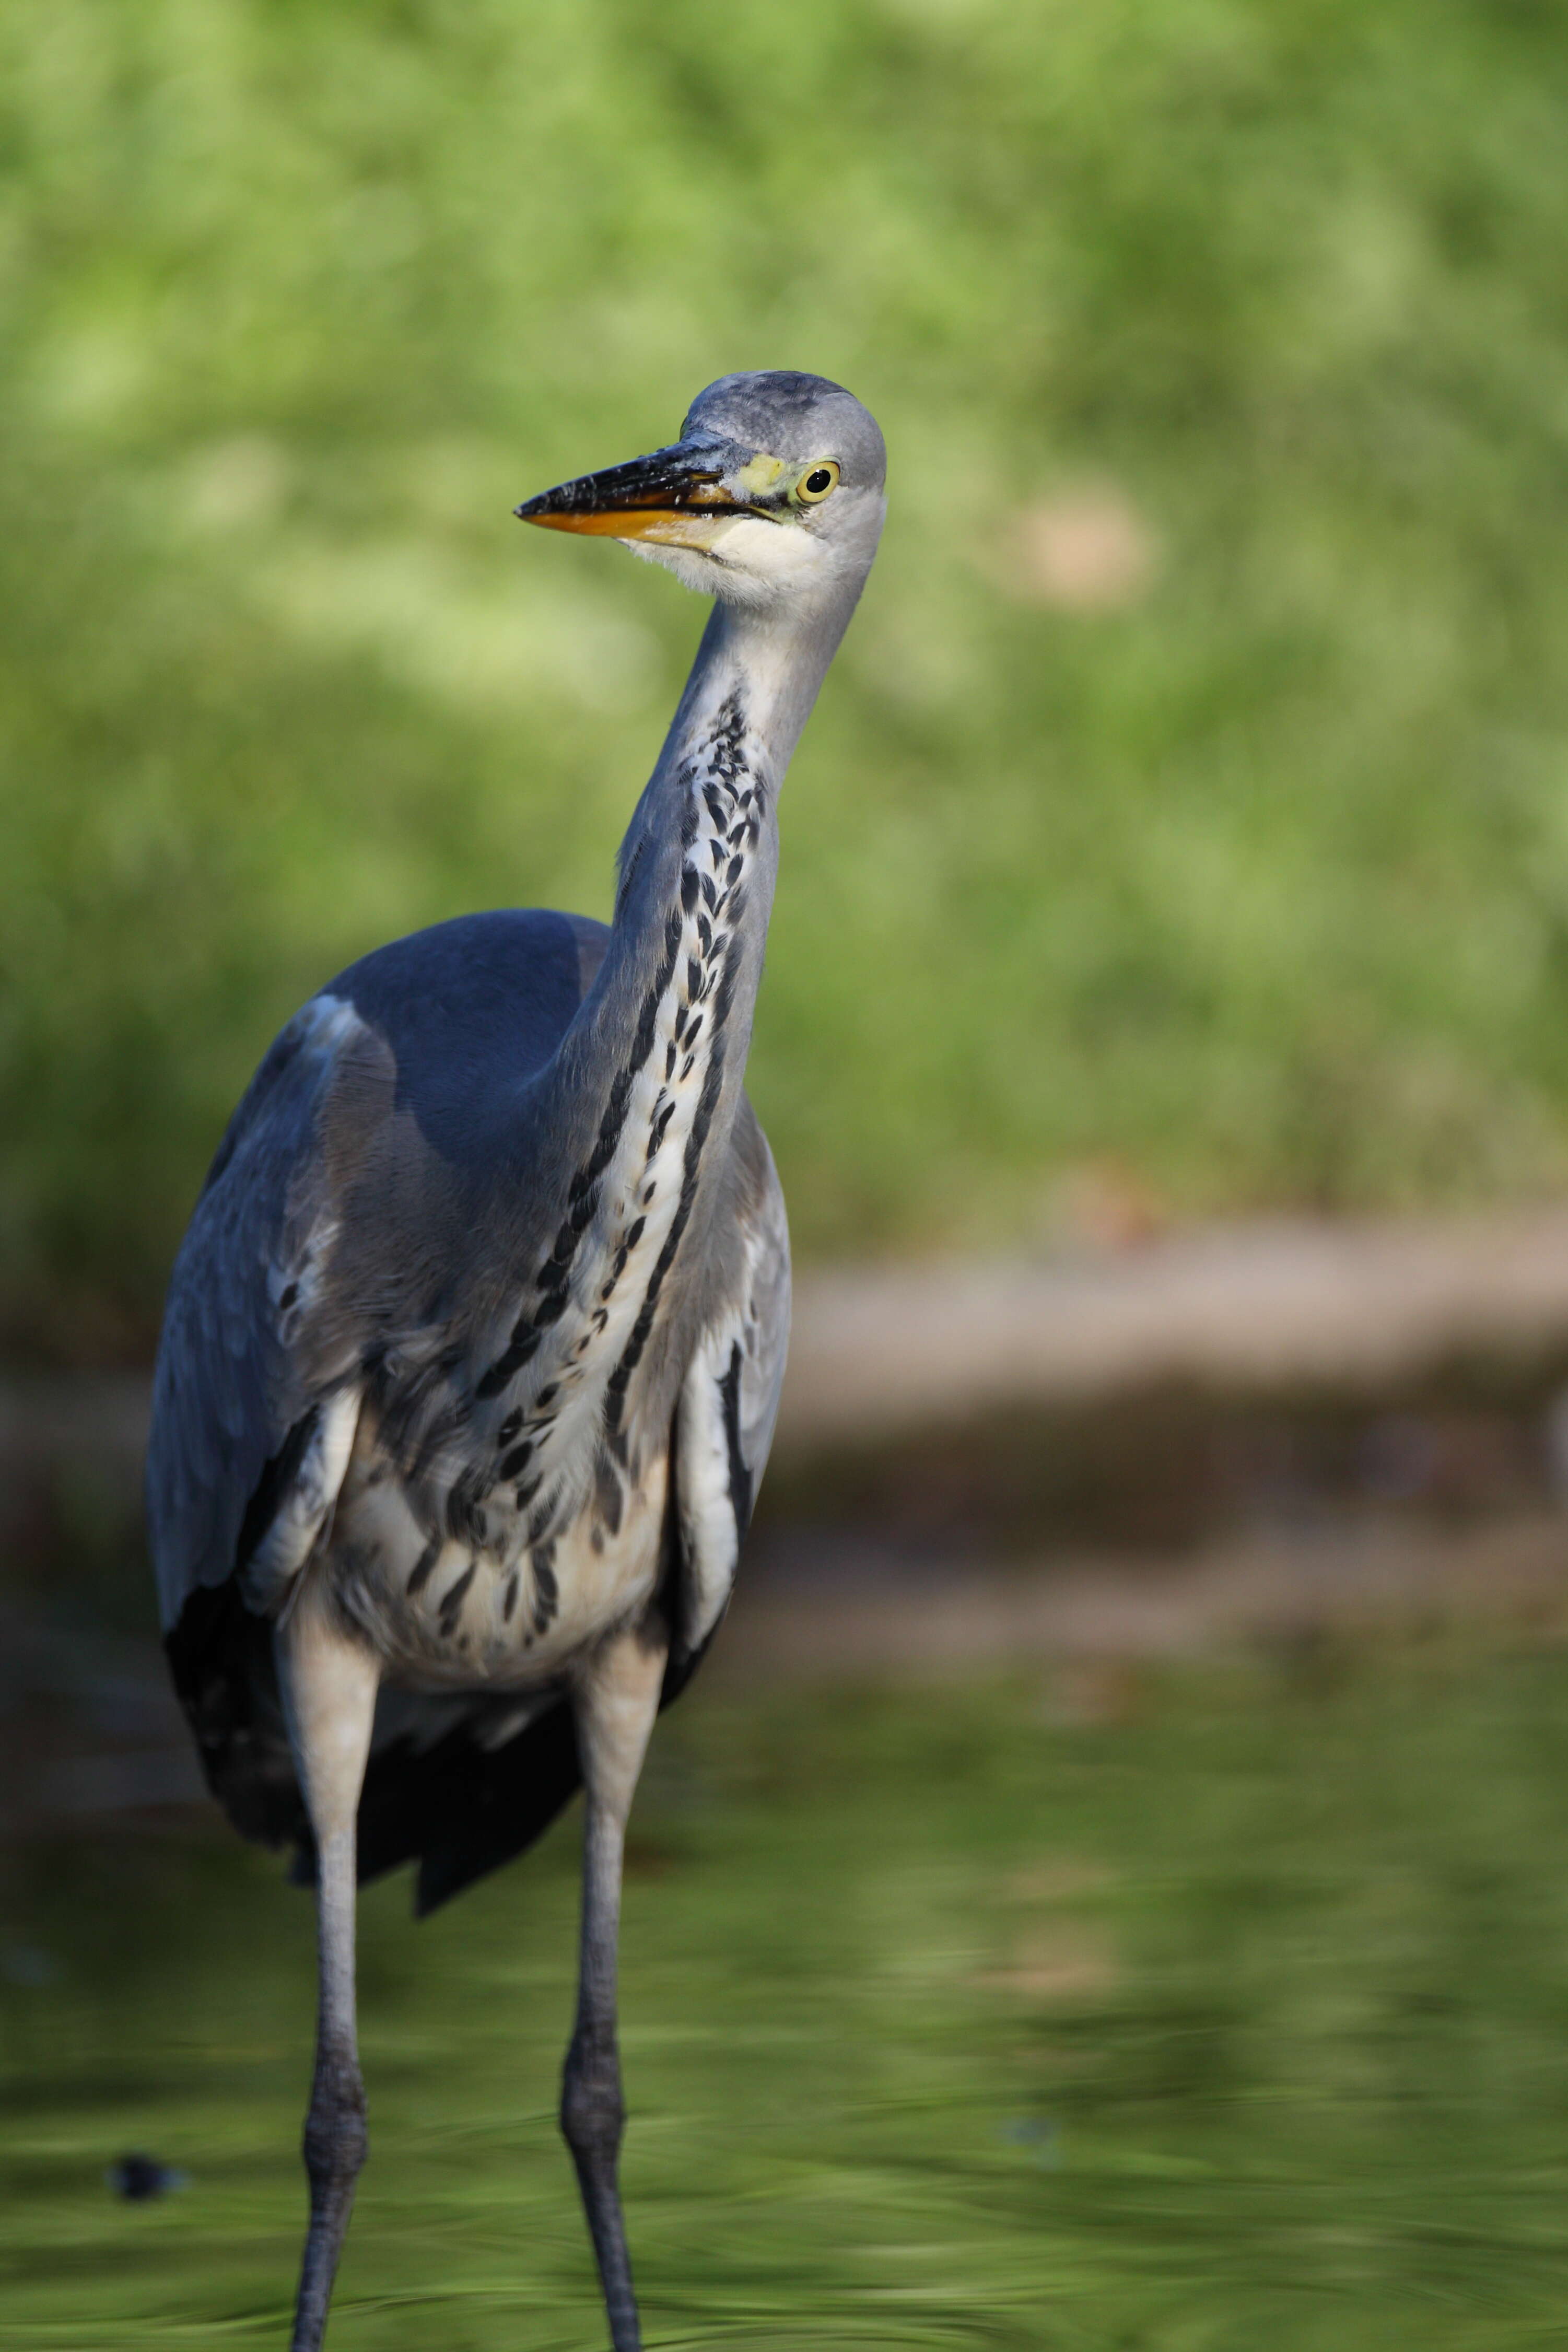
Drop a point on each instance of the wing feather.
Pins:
(236, 1417)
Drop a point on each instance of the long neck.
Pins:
(643, 1094)
(699, 858)
(774, 662)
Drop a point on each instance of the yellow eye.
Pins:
(815, 483)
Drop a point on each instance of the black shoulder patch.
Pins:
(220, 1657)
(740, 1474)
(277, 1477)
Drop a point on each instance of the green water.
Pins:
(1216, 2009)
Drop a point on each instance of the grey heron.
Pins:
(473, 1347)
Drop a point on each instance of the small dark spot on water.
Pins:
(139, 2177)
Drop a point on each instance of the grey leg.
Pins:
(616, 1701)
(328, 1685)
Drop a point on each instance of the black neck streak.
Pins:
(722, 824)
(619, 1198)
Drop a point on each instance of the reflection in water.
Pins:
(1234, 2014)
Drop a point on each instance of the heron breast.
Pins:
(447, 1612)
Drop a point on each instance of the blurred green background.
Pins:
(1183, 832)
(1188, 802)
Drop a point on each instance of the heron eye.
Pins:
(813, 487)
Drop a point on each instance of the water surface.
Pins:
(1210, 2010)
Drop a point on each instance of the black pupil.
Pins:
(817, 483)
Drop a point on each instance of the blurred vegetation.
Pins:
(1189, 800)
(1140, 2014)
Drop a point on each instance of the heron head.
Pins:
(773, 494)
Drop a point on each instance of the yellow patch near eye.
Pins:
(761, 473)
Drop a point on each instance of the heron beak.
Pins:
(675, 496)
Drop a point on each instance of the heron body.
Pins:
(473, 1348)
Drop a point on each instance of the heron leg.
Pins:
(329, 1685)
(616, 1700)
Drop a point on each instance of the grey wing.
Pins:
(728, 1403)
(251, 1429)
